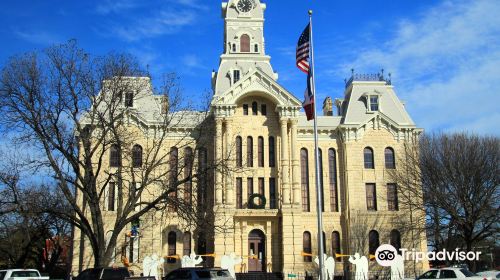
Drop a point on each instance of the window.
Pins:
(172, 250)
(336, 243)
(260, 151)
(396, 239)
(202, 176)
(390, 162)
(188, 170)
(129, 99)
(431, 274)
(111, 196)
(332, 175)
(447, 274)
(254, 108)
(236, 76)
(234, 47)
(186, 244)
(239, 193)
(392, 197)
(256, 48)
(239, 155)
(373, 242)
(249, 151)
(306, 246)
(133, 249)
(320, 159)
(263, 109)
(114, 156)
(272, 193)
(245, 43)
(261, 188)
(272, 152)
(174, 163)
(249, 187)
(304, 174)
(245, 109)
(368, 155)
(371, 197)
(137, 156)
(373, 103)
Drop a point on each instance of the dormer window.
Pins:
(245, 43)
(373, 103)
(129, 99)
(236, 76)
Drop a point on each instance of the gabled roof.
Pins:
(257, 82)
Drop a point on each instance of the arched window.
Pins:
(368, 155)
(172, 246)
(260, 151)
(115, 157)
(306, 246)
(137, 156)
(373, 242)
(186, 244)
(304, 180)
(272, 152)
(245, 43)
(320, 160)
(249, 151)
(390, 162)
(254, 108)
(129, 99)
(336, 243)
(174, 164)
(396, 239)
(188, 170)
(332, 176)
(234, 47)
(239, 149)
(256, 48)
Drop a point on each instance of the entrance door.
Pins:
(256, 251)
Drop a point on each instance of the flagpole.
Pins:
(319, 194)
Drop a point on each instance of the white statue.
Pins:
(150, 265)
(191, 260)
(398, 268)
(228, 262)
(361, 264)
(329, 263)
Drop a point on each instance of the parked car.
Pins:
(21, 274)
(198, 273)
(494, 274)
(104, 273)
(451, 273)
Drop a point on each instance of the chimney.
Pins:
(327, 107)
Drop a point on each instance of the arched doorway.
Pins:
(256, 251)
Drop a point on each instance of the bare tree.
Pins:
(457, 176)
(79, 111)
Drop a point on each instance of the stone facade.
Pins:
(248, 102)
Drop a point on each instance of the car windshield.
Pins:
(24, 274)
(212, 274)
(2, 274)
(467, 273)
(114, 274)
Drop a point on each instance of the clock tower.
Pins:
(244, 45)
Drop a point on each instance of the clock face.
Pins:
(245, 6)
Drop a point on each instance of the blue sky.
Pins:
(444, 55)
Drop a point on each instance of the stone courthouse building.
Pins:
(259, 124)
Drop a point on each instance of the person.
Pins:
(361, 264)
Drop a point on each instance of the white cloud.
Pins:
(115, 6)
(38, 37)
(446, 64)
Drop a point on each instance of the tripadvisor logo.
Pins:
(387, 255)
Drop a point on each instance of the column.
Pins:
(218, 160)
(229, 191)
(284, 161)
(295, 164)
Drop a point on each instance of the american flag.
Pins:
(303, 51)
